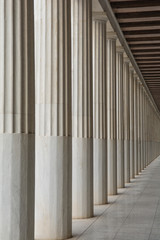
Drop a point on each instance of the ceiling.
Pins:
(139, 21)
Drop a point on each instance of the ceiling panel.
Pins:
(139, 21)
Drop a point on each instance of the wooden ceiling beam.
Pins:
(152, 45)
(147, 36)
(145, 50)
(146, 57)
(138, 14)
(132, 20)
(143, 39)
(140, 28)
(148, 54)
(148, 61)
(144, 42)
(137, 9)
(140, 24)
(142, 32)
(149, 69)
(131, 4)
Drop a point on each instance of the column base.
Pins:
(53, 195)
(120, 163)
(127, 161)
(100, 171)
(82, 155)
(112, 166)
(17, 166)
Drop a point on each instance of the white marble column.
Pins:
(135, 127)
(82, 116)
(99, 108)
(138, 127)
(131, 109)
(53, 203)
(111, 113)
(126, 121)
(120, 116)
(141, 125)
(145, 129)
(17, 120)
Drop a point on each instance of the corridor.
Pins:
(134, 214)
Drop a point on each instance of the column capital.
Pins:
(99, 16)
(111, 34)
(126, 58)
(131, 68)
(119, 49)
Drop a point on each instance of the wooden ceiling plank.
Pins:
(132, 20)
(140, 28)
(144, 50)
(140, 24)
(138, 9)
(126, 4)
(142, 32)
(138, 14)
(143, 39)
(142, 36)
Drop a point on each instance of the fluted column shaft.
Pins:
(82, 142)
(135, 127)
(99, 110)
(131, 101)
(126, 122)
(111, 114)
(17, 120)
(120, 117)
(53, 219)
(142, 126)
(145, 127)
(138, 126)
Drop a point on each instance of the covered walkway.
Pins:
(134, 214)
(79, 119)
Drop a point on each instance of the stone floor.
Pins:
(134, 214)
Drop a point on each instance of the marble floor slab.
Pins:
(134, 214)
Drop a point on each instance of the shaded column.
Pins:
(131, 108)
(53, 203)
(120, 116)
(135, 127)
(111, 113)
(82, 142)
(142, 126)
(99, 109)
(126, 121)
(17, 120)
(138, 127)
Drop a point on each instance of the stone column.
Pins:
(141, 125)
(126, 121)
(135, 127)
(53, 203)
(99, 109)
(120, 116)
(131, 101)
(82, 142)
(145, 128)
(138, 127)
(111, 113)
(17, 120)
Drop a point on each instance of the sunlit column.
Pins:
(17, 120)
(82, 117)
(126, 120)
(53, 203)
(120, 116)
(100, 108)
(111, 111)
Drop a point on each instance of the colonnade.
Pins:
(96, 125)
